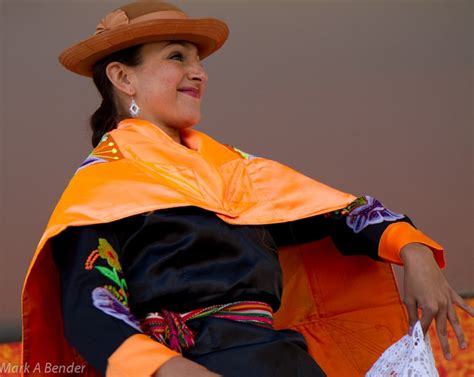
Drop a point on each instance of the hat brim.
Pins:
(208, 34)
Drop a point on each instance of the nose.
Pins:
(197, 72)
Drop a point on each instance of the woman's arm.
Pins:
(427, 289)
(366, 227)
(96, 316)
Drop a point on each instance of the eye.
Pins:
(177, 56)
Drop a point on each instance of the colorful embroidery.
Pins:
(106, 251)
(170, 328)
(105, 151)
(105, 301)
(366, 212)
(111, 299)
(243, 154)
(338, 214)
(89, 265)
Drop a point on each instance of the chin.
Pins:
(189, 121)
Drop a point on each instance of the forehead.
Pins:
(162, 45)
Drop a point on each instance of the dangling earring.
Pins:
(134, 110)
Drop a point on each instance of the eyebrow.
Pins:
(185, 44)
(181, 43)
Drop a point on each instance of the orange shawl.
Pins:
(348, 308)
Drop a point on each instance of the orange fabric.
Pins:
(10, 359)
(139, 355)
(461, 365)
(399, 234)
(348, 308)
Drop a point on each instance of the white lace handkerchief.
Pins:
(411, 356)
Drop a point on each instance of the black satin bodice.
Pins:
(185, 258)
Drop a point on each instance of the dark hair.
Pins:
(106, 117)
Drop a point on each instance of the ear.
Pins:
(121, 77)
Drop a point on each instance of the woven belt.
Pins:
(170, 329)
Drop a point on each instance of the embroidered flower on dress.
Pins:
(107, 252)
(370, 212)
(343, 212)
(119, 294)
(108, 303)
(89, 265)
(112, 299)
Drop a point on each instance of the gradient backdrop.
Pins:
(370, 97)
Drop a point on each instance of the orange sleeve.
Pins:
(399, 234)
(138, 356)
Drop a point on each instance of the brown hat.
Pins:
(143, 22)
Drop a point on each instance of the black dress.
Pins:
(185, 258)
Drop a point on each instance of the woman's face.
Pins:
(169, 84)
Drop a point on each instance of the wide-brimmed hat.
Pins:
(143, 22)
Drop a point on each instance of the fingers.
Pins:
(412, 314)
(460, 302)
(428, 313)
(453, 319)
(442, 329)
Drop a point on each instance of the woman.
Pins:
(163, 255)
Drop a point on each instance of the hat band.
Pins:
(159, 15)
(120, 18)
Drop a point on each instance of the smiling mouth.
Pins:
(190, 91)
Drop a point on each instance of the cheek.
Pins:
(160, 84)
(164, 79)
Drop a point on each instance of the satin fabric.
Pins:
(193, 260)
(267, 352)
(180, 259)
(347, 308)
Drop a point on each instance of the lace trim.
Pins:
(411, 356)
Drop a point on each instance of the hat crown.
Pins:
(137, 12)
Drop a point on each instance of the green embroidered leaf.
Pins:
(117, 278)
(124, 284)
(109, 273)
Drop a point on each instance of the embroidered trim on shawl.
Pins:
(105, 151)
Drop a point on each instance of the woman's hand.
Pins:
(179, 366)
(427, 289)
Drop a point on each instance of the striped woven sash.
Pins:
(170, 329)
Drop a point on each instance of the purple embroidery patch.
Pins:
(371, 213)
(106, 302)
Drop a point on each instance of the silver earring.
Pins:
(134, 110)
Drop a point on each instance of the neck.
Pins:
(172, 132)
